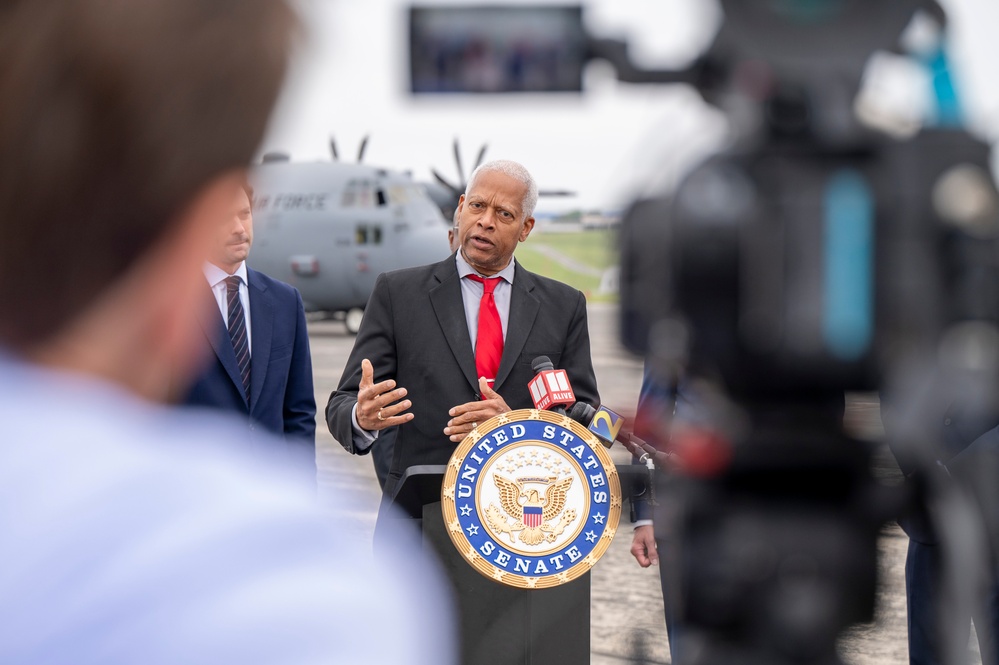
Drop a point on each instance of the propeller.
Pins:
(457, 160)
(360, 151)
(482, 154)
(454, 189)
(457, 189)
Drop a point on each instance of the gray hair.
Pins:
(515, 171)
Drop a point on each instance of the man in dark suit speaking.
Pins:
(447, 346)
(262, 367)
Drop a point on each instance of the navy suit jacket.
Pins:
(414, 331)
(657, 403)
(282, 395)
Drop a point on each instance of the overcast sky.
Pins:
(609, 144)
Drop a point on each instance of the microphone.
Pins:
(550, 389)
(607, 426)
(603, 422)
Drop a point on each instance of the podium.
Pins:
(500, 624)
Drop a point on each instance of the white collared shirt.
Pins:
(216, 279)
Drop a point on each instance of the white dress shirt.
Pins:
(216, 279)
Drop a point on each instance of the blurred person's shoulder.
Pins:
(151, 534)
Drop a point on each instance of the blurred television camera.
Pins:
(815, 256)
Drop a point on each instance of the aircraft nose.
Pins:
(427, 246)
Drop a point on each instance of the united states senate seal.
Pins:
(531, 499)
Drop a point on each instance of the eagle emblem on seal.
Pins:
(526, 511)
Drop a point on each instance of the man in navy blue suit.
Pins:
(262, 367)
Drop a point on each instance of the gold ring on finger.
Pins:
(379, 415)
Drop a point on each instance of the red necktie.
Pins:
(489, 338)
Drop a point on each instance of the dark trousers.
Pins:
(673, 630)
(923, 577)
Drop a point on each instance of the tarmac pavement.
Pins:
(627, 622)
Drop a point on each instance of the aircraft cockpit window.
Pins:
(368, 235)
(361, 194)
(402, 194)
(367, 197)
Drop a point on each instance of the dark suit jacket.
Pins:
(657, 402)
(964, 432)
(282, 395)
(414, 331)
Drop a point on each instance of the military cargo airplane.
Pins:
(330, 228)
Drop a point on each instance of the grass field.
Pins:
(577, 258)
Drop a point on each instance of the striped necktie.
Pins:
(237, 332)
(489, 338)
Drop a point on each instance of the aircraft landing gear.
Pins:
(353, 319)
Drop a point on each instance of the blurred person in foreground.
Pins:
(135, 532)
(256, 337)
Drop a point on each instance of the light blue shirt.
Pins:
(471, 294)
(134, 533)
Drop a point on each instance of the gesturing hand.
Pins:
(378, 404)
(466, 417)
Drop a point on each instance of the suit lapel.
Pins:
(523, 312)
(218, 336)
(261, 333)
(450, 310)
